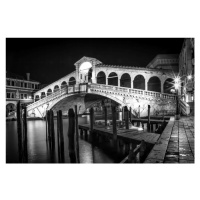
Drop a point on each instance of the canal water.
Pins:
(38, 150)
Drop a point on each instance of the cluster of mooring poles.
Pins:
(73, 136)
(22, 133)
(117, 146)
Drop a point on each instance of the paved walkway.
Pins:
(181, 143)
(176, 143)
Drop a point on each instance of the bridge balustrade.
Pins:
(85, 87)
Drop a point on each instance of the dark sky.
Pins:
(48, 59)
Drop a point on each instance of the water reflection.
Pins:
(39, 150)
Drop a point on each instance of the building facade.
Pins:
(19, 88)
(186, 70)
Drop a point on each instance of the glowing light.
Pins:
(85, 66)
(189, 77)
(176, 85)
(177, 79)
(140, 129)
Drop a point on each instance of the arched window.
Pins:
(43, 95)
(37, 98)
(56, 88)
(101, 78)
(168, 85)
(63, 84)
(72, 81)
(154, 84)
(139, 82)
(113, 79)
(125, 80)
(10, 108)
(49, 92)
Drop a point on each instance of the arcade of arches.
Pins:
(138, 82)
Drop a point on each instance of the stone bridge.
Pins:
(93, 81)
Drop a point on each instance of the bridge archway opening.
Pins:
(56, 88)
(37, 98)
(125, 80)
(63, 84)
(113, 79)
(10, 107)
(43, 95)
(72, 81)
(101, 78)
(49, 92)
(154, 84)
(90, 75)
(168, 85)
(139, 82)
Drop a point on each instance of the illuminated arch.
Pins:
(125, 80)
(139, 82)
(154, 84)
(56, 88)
(101, 78)
(49, 92)
(113, 79)
(168, 85)
(63, 84)
(72, 81)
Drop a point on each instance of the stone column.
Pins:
(119, 82)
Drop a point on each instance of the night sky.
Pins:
(47, 60)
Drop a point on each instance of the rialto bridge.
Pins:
(92, 81)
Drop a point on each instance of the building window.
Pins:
(22, 84)
(8, 82)
(22, 96)
(13, 83)
(25, 96)
(8, 95)
(12, 95)
(33, 86)
(25, 85)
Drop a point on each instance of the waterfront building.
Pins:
(19, 88)
(186, 71)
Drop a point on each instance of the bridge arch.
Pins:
(43, 95)
(56, 88)
(101, 78)
(37, 97)
(154, 84)
(49, 92)
(168, 85)
(139, 82)
(63, 84)
(125, 80)
(72, 81)
(113, 79)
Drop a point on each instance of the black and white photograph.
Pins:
(100, 100)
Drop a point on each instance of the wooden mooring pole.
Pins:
(105, 115)
(126, 114)
(71, 133)
(148, 124)
(19, 131)
(61, 137)
(91, 123)
(114, 127)
(58, 137)
(25, 149)
(77, 134)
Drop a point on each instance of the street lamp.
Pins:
(176, 86)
